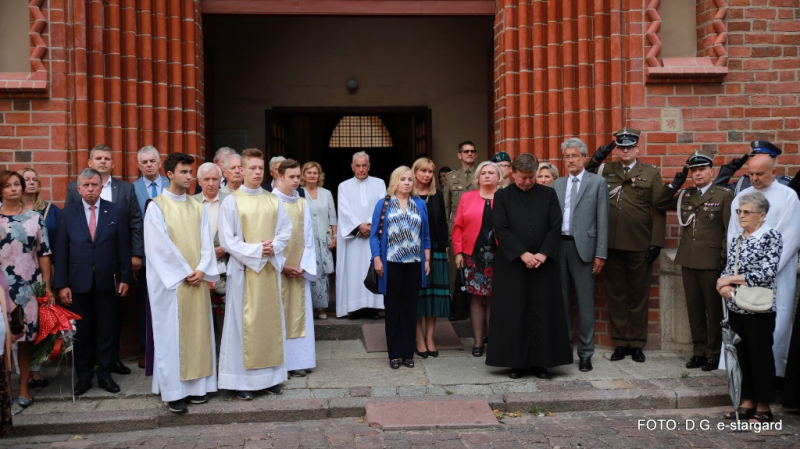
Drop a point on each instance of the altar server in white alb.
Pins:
(180, 264)
(298, 272)
(254, 230)
(357, 198)
(784, 217)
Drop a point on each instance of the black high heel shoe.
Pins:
(424, 355)
(433, 353)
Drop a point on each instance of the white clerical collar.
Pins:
(361, 180)
(250, 191)
(295, 196)
(172, 196)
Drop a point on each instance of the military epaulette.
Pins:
(650, 165)
(451, 172)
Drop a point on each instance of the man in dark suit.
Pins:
(273, 172)
(583, 197)
(150, 185)
(123, 195)
(94, 263)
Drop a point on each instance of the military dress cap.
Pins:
(764, 147)
(698, 159)
(627, 137)
(502, 156)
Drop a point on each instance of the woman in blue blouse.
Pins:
(401, 254)
(758, 250)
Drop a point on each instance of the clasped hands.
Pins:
(292, 272)
(726, 288)
(364, 229)
(266, 248)
(533, 260)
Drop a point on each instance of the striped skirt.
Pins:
(434, 300)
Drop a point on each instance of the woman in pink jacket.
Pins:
(474, 246)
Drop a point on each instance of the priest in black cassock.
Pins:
(528, 327)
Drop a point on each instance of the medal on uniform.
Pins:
(711, 216)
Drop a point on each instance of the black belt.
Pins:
(567, 237)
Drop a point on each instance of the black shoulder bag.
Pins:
(371, 281)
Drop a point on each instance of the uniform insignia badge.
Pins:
(705, 208)
(611, 174)
(641, 192)
(455, 193)
(711, 216)
(689, 208)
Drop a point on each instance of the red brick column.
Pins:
(558, 74)
(138, 78)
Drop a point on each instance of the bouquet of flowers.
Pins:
(56, 328)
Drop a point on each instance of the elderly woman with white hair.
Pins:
(753, 257)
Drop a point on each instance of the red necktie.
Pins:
(92, 222)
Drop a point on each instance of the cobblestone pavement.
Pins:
(622, 429)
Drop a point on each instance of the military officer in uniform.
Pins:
(727, 171)
(635, 238)
(703, 214)
(459, 181)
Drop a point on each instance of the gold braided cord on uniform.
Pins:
(262, 323)
(184, 221)
(293, 290)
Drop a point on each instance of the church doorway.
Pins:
(280, 83)
(390, 136)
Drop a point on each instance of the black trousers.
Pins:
(97, 331)
(402, 294)
(144, 297)
(627, 278)
(755, 354)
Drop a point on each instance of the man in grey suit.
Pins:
(150, 185)
(584, 241)
(122, 194)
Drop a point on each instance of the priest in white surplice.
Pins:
(254, 229)
(783, 216)
(357, 199)
(298, 272)
(180, 264)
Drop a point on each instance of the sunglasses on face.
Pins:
(469, 151)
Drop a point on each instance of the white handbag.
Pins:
(752, 299)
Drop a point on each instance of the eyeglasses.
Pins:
(624, 149)
(470, 151)
(572, 156)
(744, 212)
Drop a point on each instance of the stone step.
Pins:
(426, 415)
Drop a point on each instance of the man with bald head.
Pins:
(783, 216)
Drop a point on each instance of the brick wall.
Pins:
(757, 100)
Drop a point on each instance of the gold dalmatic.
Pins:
(293, 290)
(262, 327)
(184, 221)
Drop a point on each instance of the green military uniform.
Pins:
(458, 182)
(704, 218)
(634, 225)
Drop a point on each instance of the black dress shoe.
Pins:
(178, 406)
(119, 368)
(109, 385)
(695, 362)
(710, 365)
(585, 364)
(516, 373)
(424, 354)
(637, 355)
(433, 353)
(619, 353)
(540, 372)
(82, 387)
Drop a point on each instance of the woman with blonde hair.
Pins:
(434, 299)
(323, 218)
(401, 254)
(32, 200)
(546, 174)
(474, 246)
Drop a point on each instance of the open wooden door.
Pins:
(276, 134)
(423, 143)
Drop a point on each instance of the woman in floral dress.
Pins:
(24, 259)
(474, 246)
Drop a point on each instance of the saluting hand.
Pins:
(738, 162)
(680, 178)
(603, 151)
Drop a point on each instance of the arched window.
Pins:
(360, 131)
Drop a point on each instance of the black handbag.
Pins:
(459, 305)
(371, 281)
(16, 323)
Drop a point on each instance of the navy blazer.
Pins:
(81, 262)
(123, 195)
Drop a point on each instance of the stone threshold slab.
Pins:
(374, 335)
(419, 415)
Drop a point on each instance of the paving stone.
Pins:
(353, 350)
(325, 393)
(360, 392)
(297, 393)
(412, 391)
(470, 389)
(384, 392)
(444, 335)
(373, 372)
(514, 387)
(612, 384)
(411, 415)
